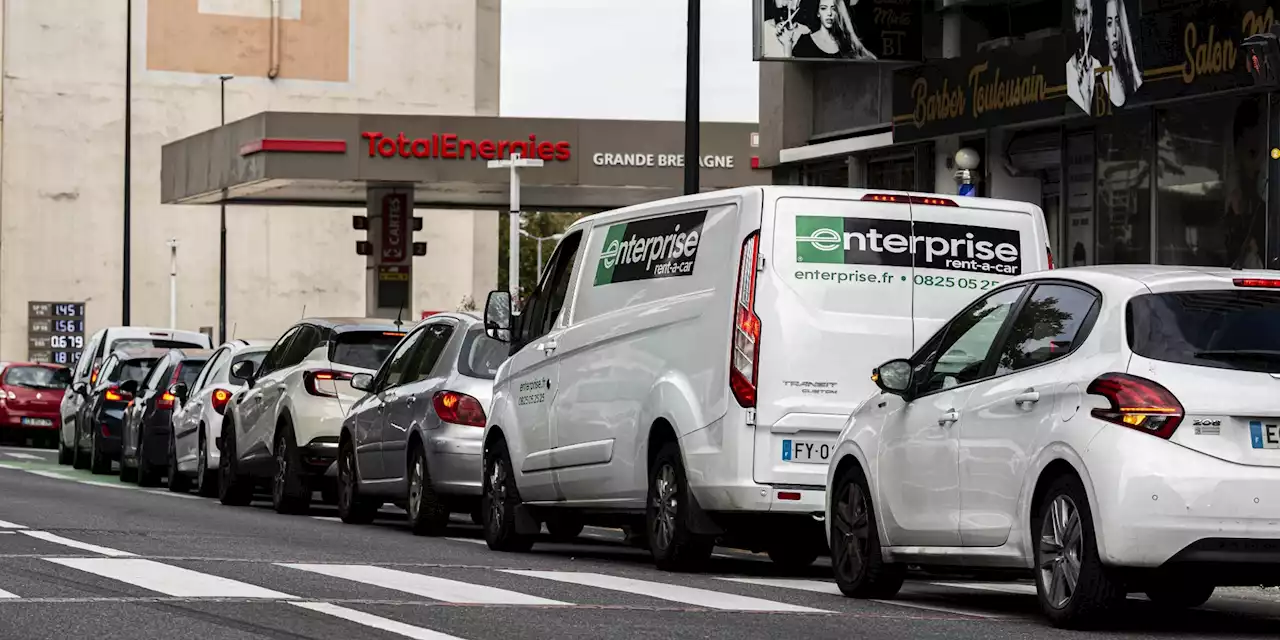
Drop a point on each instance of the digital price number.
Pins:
(55, 332)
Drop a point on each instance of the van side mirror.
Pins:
(497, 316)
(179, 391)
(893, 377)
(129, 387)
(362, 382)
(244, 370)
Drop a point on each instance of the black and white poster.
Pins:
(1102, 60)
(860, 30)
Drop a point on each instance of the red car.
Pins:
(30, 397)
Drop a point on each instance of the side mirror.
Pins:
(179, 390)
(244, 370)
(497, 316)
(893, 377)
(129, 387)
(80, 388)
(362, 382)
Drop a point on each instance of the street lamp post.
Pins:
(692, 97)
(128, 152)
(513, 241)
(554, 236)
(173, 283)
(222, 231)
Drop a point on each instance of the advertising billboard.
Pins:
(858, 30)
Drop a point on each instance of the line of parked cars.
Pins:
(890, 378)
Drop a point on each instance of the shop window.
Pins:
(1123, 172)
(1211, 188)
(895, 174)
(827, 174)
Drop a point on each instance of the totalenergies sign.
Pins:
(449, 146)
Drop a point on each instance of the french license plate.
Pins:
(805, 451)
(37, 422)
(1263, 435)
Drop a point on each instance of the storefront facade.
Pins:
(1134, 125)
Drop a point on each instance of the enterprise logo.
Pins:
(934, 245)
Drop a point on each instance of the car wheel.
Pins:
(792, 554)
(65, 453)
(177, 481)
(148, 476)
(856, 558)
(501, 498)
(564, 528)
(234, 489)
(1180, 594)
(289, 491)
(352, 507)
(99, 463)
(79, 457)
(427, 516)
(1074, 588)
(206, 481)
(673, 546)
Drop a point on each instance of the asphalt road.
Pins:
(86, 556)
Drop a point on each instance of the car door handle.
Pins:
(411, 399)
(548, 347)
(948, 417)
(1030, 396)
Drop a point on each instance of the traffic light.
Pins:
(364, 247)
(1262, 56)
(417, 223)
(360, 223)
(419, 248)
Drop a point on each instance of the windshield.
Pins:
(1224, 329)
(137, 344)
(135, 370)
(481, 355)
(363, 349)
(35, 378)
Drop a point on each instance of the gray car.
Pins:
(415, 438)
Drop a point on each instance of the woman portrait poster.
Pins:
(1124, 75)
(811, 29)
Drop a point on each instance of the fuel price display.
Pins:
(55, 332)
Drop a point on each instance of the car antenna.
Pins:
(304, 312)
(399, 315)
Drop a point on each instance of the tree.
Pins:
(539, 224)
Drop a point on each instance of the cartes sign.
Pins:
(396, 220)
(663, 247)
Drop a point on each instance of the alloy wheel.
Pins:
(852, 524)
(415, 488)
(666, 507)
(282, 471)
(202, 465)
(1060, 551)
(497, 494)
(346, 479)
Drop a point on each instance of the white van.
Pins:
(684, 366)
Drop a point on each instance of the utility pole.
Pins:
(173, 283)
(126, 276)
(692, 90)
(513, 241)
(222, 233)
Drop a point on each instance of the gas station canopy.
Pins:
(333, 159)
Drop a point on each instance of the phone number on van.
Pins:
(953, 283)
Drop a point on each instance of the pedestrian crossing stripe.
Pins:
(168, 579)
(423, 585)
(663, 591)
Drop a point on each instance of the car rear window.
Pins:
(135, 370)
(364, 349)
(481, 355)
(34, 377)
(1224, 329)
(136, 344)
(190, 371)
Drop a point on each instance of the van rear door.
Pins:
(833, 301)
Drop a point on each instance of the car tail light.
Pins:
(93, 377)
(220, 399)
(311, 380)
(1137, 403)
(114, 394)
(458, 408)
(166, 398)
(1257, 283)
(1049, 251)
(921, 200)
(745, 353)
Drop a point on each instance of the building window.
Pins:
(896, 174)
(1123, 228)
(827, 174)
(1211, 199)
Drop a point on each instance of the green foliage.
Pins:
(539, 224)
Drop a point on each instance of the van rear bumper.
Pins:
(762, 498)
(719, 463)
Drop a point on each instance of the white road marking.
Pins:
(374, 622)
(168, 579)
(326, 518)
(10, 525)
(662, 591)
(166, 492)
(814, 586)
(76, 544)
(6, 594)
(471, 540)
(423, 585)
(47, 474)
(1010, 587)
(21, 456)
(929, 607)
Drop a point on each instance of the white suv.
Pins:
(1106, 429)
(283, 427)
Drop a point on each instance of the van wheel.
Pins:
(1180, 594)
(856, 559)
(290, 494)
(792, 554)
(501, 499)
(1074, 588)
(352, 508)
(673, 545)
(234, 489)
(427, 516)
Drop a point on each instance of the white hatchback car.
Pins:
(1108, 429)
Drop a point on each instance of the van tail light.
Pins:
(1049, 251)
(313, 379)
(1257, 283)
(458, 408)
(745, 353)
(901, 199)
(114, 394)
(220, 399)
(1137, 403)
